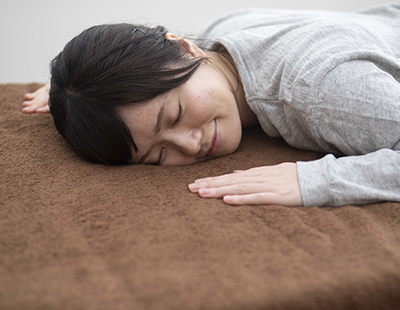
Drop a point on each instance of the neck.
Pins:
(224, 63)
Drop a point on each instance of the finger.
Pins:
(221, 181)
(251, 199)
(28, 110)
(208, 182)
(26, 103)
(264, 198)
(29, 96)
(236, 189)
(45, 109)
(230, 178)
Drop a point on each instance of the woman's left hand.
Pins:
(38, 101)
(263, 185)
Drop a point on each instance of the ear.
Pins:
(188, 46)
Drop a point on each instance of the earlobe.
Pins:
(187, 45)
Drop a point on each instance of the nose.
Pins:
(187, 141)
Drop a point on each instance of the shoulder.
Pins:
(238, 20)
(251, 18)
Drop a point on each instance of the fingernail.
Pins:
(199, 181)
(228, 199)
(204, 191)
(194, 187)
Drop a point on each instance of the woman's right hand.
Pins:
(38, 101)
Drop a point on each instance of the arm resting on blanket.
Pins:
(360, 179)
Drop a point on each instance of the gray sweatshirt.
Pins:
(329, 82)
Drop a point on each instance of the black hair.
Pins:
(106, 67)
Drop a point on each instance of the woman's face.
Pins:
(197, 121)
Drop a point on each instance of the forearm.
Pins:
(362, 179)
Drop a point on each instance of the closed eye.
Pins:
(162, 152)
(178, 119)
(161, 159)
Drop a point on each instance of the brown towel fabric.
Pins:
(75, 235)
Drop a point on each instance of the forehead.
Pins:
(140, 115)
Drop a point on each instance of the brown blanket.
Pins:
(75, 235)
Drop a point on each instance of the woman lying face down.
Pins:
(131, 94)
(125, 94)
(122, 94)
(323, 81)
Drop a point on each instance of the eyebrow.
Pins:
(157, 129)
(159, 117)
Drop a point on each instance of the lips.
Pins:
(216, 141)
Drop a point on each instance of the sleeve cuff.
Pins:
(314, 183)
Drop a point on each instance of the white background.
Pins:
(32, 32)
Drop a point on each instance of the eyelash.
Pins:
(158, 163)
(160, 160)
(179, 116)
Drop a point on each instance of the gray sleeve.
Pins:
(358, 112)
(362, 179)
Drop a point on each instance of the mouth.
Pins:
(216, 141)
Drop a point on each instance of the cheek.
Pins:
(231, 132)
(234, 142)
(201, 103)
(203, 95)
